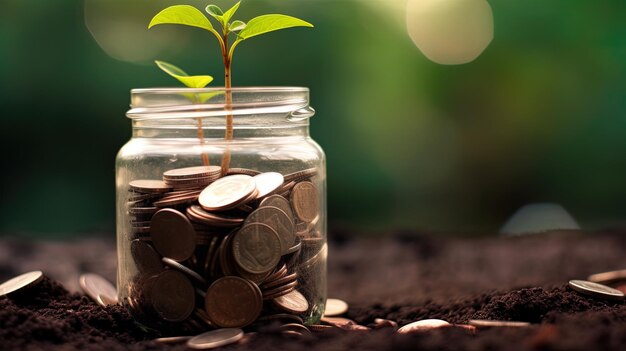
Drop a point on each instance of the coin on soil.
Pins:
(173, 339)
(485, 323)
(257, 248)
(304, 200)
(608, 277)
(173, 234)
(335, 307)
(94, 285)
(423, 325)
(596, 290)
(227, 192)
(20, 283)
(215, 338)
(173, 297)
(279, 221)
(293, 302)
(233, 302)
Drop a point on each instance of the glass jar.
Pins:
(202, 244)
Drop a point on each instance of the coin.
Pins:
(188, 271)
(596, 290)
(103, 300)
(94, 285)
(301, 175)
(608, 277)
(279, 202)
(233, 302)
(215, 338)
(293, 302)
(295, 329)
(173, 339)
(192, 172)
(21, 283)
(227, 192)
(484, 323)
(169, 201)
(278, 220)
(267, 183)
(282, 280)
(246, 171)
(149, 186)
(146, 258)
(198, 214)
(335, 307)
(256, 248)
(304, 200)
(172, 234)
(423, 325)
(380, 323)
(173, 297)
(280, 290)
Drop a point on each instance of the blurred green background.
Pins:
(540, 116)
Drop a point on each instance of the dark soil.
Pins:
(403, 277)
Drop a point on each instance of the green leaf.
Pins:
(182, 14)
(189, 81)
(237, 26)
(231, 11)
(269, 23)
(214, 11)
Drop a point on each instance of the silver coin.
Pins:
(486, 323)
(257, 248)
(95, 286)
(20, 283)
(278, 220)
(280, 202)
(423, 325)
(335, 307)
(304, 200)
(596, 290)
(227, 192)
(215, 338)
(267, 183)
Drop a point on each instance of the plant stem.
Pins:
(229, 105)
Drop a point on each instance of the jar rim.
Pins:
(180, 102)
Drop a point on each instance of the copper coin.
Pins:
(198, 214)
(176, 200)
(293, 302)
(335, 307)
(173, 297)
(149, 186)
(147, 260)
(380, 323)
(484, 323)
(423, 325)
(233, 302)
(215, 338)
(301, 175)
(304, 200)
(142, 210)
(267, 183)
(280, 290)
(279, 202)
(21, 283)
(257, 248)
(172, 234)
(596, 290)
(192, 172)
(227, 192)
(173, 339)
(278, 220)
(246, 171)
(280, 281)
(608, 277)
(294, 329)
(94, 285)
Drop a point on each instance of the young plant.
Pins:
(239, 31)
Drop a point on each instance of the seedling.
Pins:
(239, 31)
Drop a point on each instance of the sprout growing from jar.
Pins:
(190, 16)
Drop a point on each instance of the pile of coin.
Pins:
(225, 252)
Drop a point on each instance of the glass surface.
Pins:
(271, 134)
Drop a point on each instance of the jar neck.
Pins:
(256, 112)
(189, 128)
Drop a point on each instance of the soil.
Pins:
(403, 276)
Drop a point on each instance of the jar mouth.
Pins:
(167, 103)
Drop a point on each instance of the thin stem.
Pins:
(229, 105)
